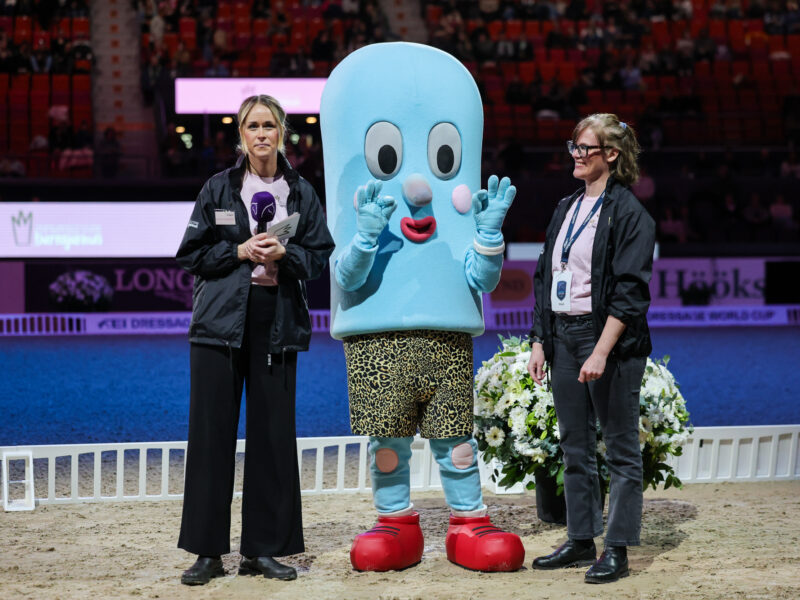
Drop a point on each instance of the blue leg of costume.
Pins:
(458, 469)
(395, 542)
(391, 476)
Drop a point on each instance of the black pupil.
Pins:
(387, 159)
(445, 158)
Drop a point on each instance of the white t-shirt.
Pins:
(580, 256)
(265, 274)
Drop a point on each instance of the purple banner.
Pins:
(119, 286)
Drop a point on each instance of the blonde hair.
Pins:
(277, 111)
(613, 133)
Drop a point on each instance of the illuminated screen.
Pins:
(223, 96)
(92, 229)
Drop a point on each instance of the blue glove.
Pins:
(490, 207)
(372, 213)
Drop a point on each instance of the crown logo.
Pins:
(22, 226)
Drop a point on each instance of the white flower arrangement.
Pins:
(516, 423)
(81, 291)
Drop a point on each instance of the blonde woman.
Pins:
(592, 296)
(249, 320)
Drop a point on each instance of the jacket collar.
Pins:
(236, 173)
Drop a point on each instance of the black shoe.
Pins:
(268, 567)
(573, 553)
(612, 564)
(203, 570)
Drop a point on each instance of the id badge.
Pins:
(560, 292)
(224, 217)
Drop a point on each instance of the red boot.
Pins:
(393, 544)
(474, 543)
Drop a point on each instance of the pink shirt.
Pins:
(265, 274)
(580, 256)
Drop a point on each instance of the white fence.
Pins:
(154, 470)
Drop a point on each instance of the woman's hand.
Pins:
(261, 248)
(536, 363)
(593, 368)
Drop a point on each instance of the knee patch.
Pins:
(386, 460)
(462, 456)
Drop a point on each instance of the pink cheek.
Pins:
(462, 198)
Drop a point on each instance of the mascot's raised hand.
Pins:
(372, 212)
(490, 207)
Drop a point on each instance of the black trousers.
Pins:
(271, 513)
(614, 401)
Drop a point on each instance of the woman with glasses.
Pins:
(592, 296)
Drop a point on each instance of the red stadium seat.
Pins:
(7, 25)
(661, 34)
(495, 28)
(433, 13)
(80, 28)
(63, 27)
(513, 28)
(21, 82)
(171, 43)
(509, 69)
(793, 45)
(315, 26)
(241, 10)
(776, 44)
(567, 74)
(242, 25)
(23, 30)
(241, 41)
(527, 71)
(81, 83)
(677, 28)
(548, 71)
(533, 28)
(241, 67)
(260, 26)
(557, 55)
(224, 11)
(717, 31)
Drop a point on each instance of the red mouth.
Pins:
(418, 230)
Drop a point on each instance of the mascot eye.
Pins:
(444, 150)
(383, 149)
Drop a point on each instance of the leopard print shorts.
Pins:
(401, 380)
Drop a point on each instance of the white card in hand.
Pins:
(286, 228)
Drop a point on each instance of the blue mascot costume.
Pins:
(417, 243)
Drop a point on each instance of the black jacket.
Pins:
(622, 263)
(222, 281)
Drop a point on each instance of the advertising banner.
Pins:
(675, 282)
(92, 229)
(119, 285)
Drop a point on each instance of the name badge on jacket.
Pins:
(224, 217)
(560, 292)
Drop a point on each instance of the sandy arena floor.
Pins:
(725, 541)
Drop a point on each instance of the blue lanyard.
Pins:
(570, 239)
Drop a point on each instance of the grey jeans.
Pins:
(614, 400)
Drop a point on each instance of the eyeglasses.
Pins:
(583, 149)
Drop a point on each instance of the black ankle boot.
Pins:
(612, 564)
(268, 567)
(573, 553)
(203, 570)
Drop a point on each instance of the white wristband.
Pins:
(487, 251)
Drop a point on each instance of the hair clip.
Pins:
(623, 124)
